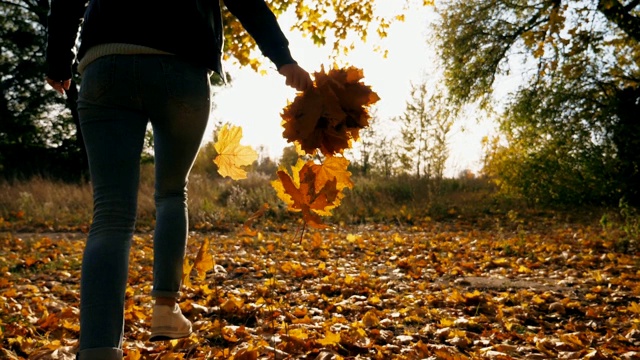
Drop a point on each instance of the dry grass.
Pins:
(56, 205)
(45, 202)
(41, 203)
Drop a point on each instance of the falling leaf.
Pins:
(302, 193)
(333, 168)
(231, 155)
(314, 189)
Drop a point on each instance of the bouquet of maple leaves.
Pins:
(322, 122)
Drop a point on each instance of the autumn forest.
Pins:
(354, 244)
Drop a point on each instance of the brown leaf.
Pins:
(246, 227)
(329, 116)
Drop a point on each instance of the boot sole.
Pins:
(162, 336)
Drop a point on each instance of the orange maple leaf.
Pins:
(231, 155)
(314, 189)
(333, 167)
(329, 116)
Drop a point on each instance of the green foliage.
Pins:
(204, 162)
(550, 159)
(38, 124)
(561, 130)
(35, 123)
(289, 157)
(623, 226)
(339, 23)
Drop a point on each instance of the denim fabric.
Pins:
(119, 96)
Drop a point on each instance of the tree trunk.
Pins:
(626, 137)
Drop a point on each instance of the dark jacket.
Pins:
(188, 28)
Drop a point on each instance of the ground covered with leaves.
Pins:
(454, 290)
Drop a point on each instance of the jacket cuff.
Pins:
(58, 72)
(280, 56)
(59, 63)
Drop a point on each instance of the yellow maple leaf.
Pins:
(134, 354)
(298, 334)
(231, 155)
(329, 339)
(204, 260)
(333, 167)
(314, 189)
(186, 271)
(370, 319)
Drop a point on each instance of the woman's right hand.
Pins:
(296, 77)
(59, 86)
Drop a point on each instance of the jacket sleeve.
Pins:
(260, 22)
(63, 24)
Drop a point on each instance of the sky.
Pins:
(255, 101)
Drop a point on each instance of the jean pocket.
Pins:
(186, 83)
(98, 78)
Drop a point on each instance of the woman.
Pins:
(144, 61)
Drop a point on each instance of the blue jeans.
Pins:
(119, 96)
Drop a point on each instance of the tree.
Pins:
(34, 123)
(366, 146)
(561, 123)
(425, 125)
(38, 124)
(264, 165)
(289, 157)
(203, 164)
(385, 157)
(326, 21)
(414, 123)
(443, 117)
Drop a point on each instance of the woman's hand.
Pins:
(296, 77)
(59, 86)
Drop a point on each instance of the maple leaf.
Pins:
(329, 116)
(306, 198)
(186, 272)
(333, 167)
(314, 189)
(204, 260)
(330, 338)
(231, 155)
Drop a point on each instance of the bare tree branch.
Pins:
(630, 6)
(618, 14)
